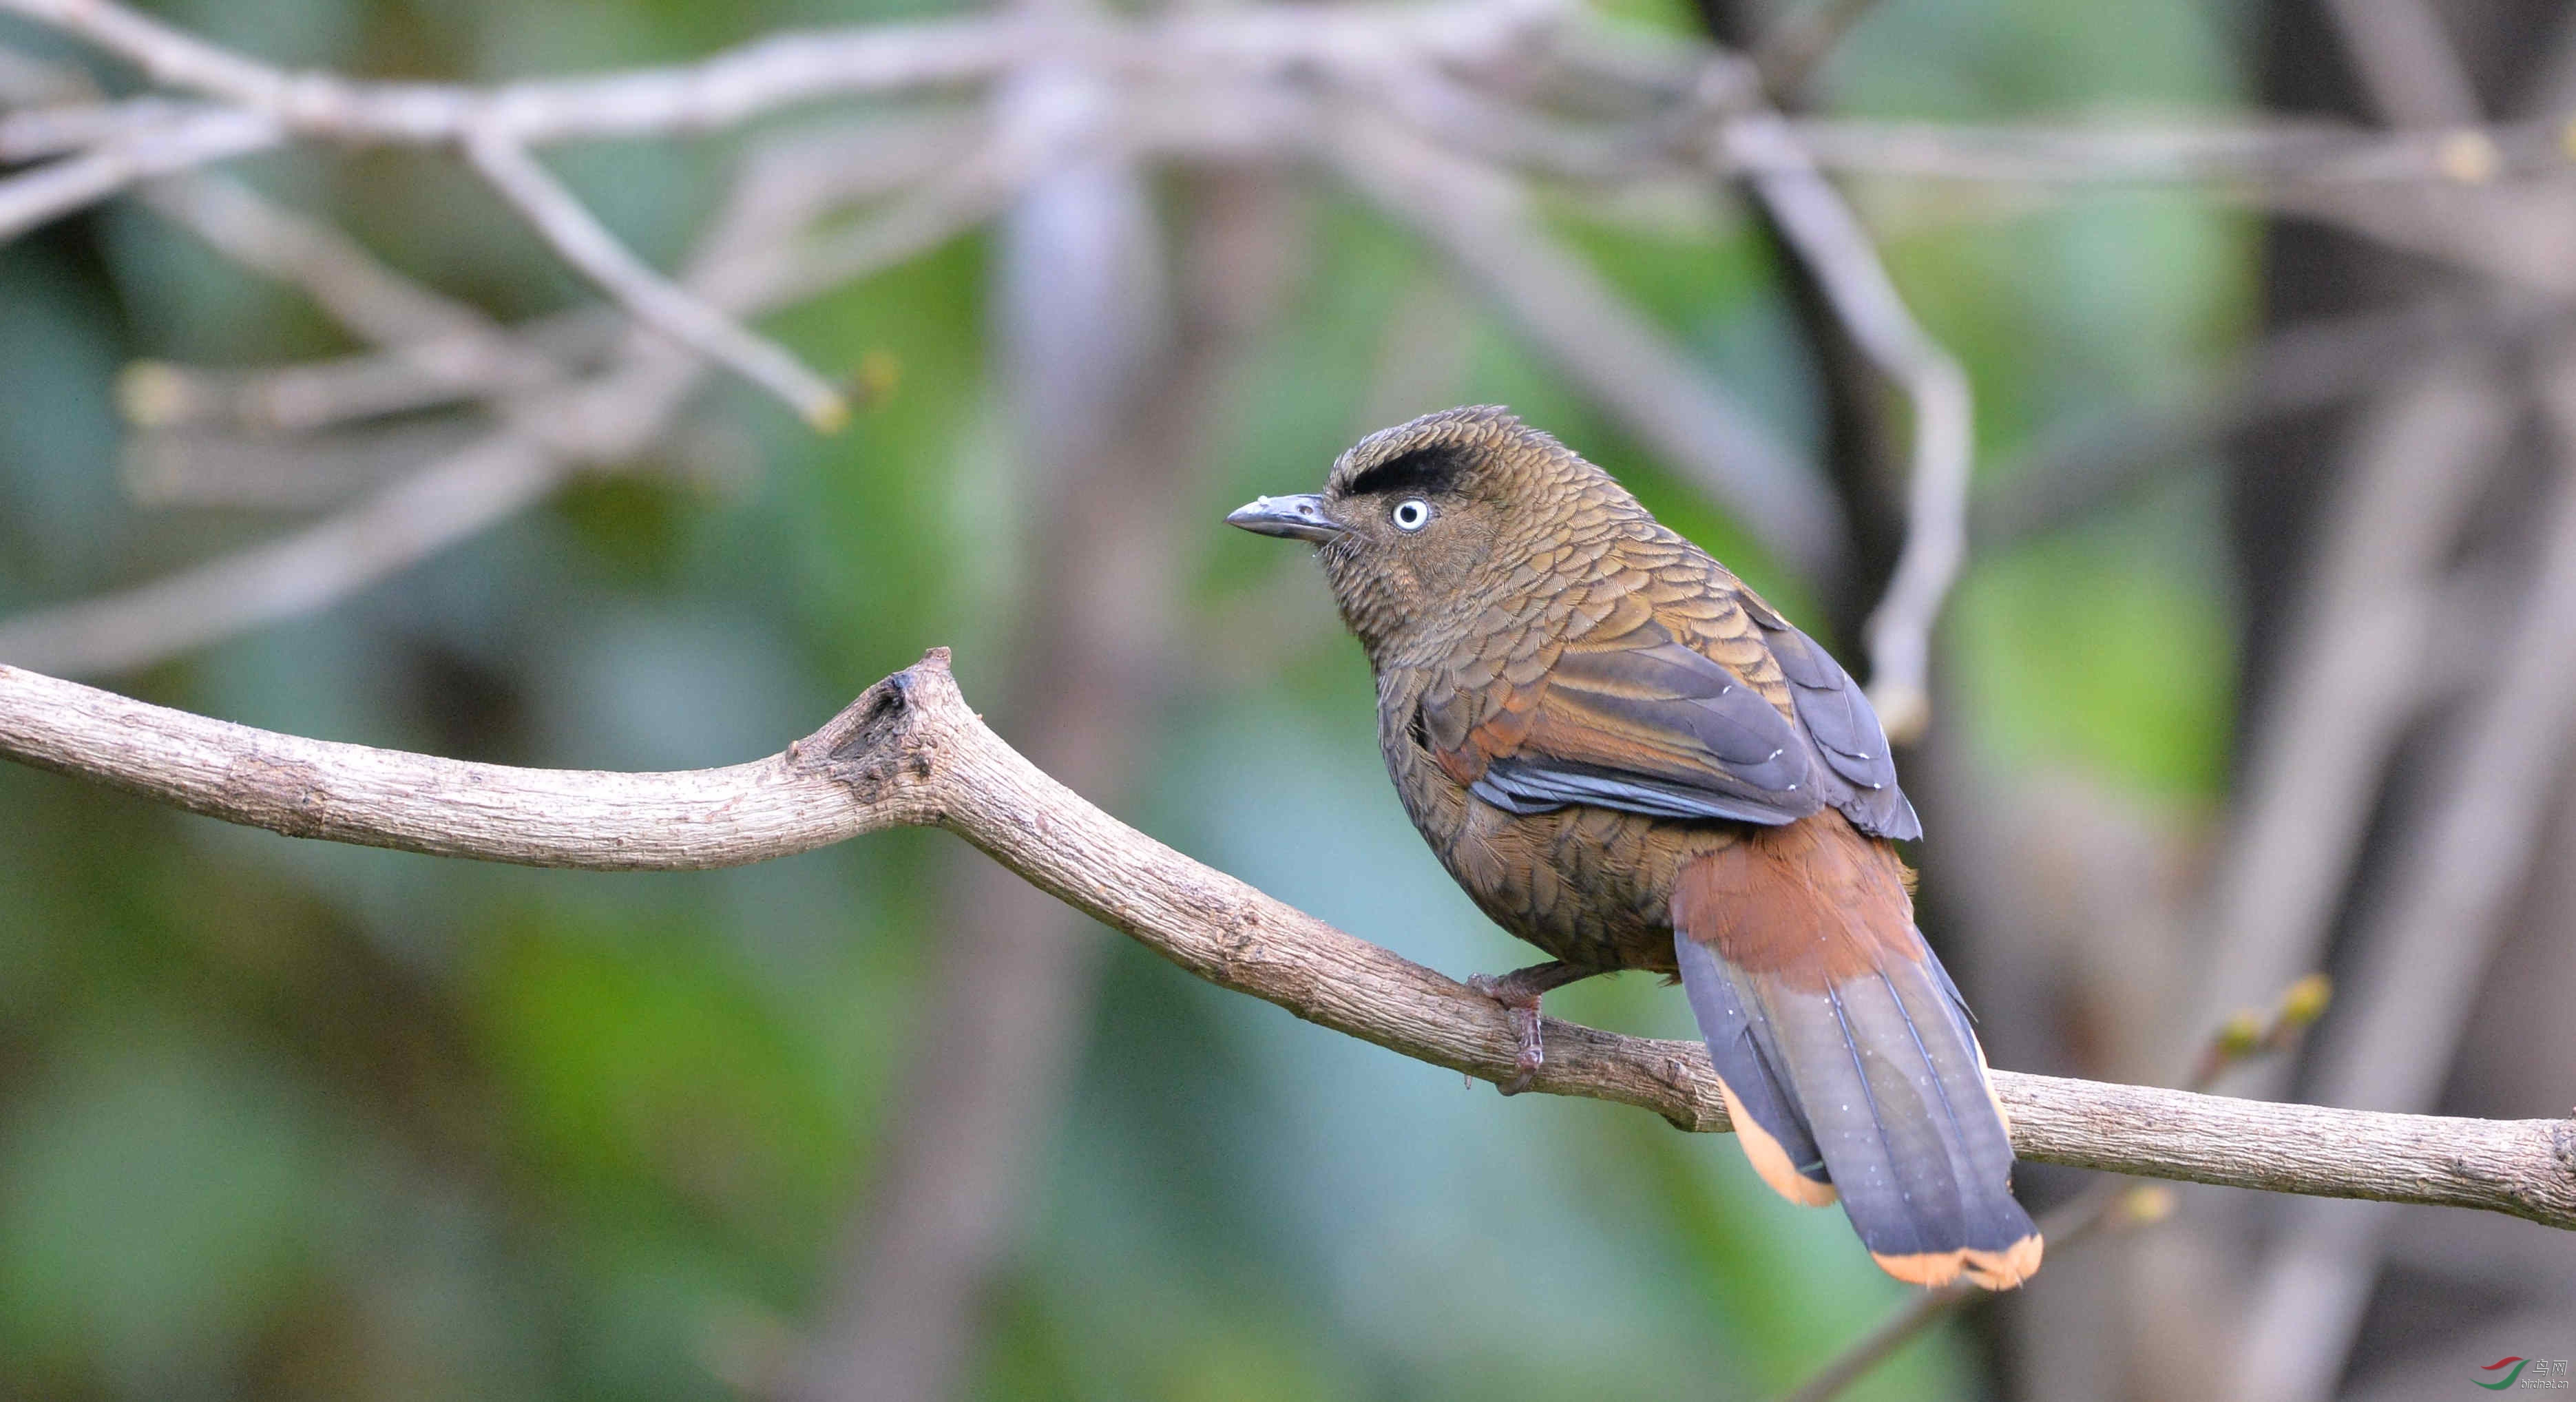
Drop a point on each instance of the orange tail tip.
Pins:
(1770, 1160)
(1847, 1057)
(1987, 1270)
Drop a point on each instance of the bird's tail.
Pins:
(1845, 1052)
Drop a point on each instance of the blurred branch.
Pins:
(323, 394)
(911, 752)
(748, 261)
(1828, 238)
(1092, 365)
(496, 127)
(2106, 1206)
(2423, 948)
(587, 244)
(729, 88)
(345, 280)
(2405, 62)
(73, 182)
(952, 174)
(424, 513)
(1790, 51)
(2324, 734)
(767, 75)
(99, 148)
(1480, 217)
(2277, 153)
(2069, 471)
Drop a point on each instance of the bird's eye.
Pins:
(1411, 515)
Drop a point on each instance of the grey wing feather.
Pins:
(1518, 785)
(1838, 718)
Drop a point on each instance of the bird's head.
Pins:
(1420, 521)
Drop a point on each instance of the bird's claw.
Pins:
(1522, 1008)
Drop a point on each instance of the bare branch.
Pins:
(2424, 949)
(587, 244)
(2273, 154)
(344, 279)
(2406, 63)
(726, 89)
(770, 74)
(911, 752)
(1829, 239)
(1791, 49)
(2106, 1206)
(399, 526)
(752, 263)
(603, 420)
(2339, 707)
(321, 394)
(73, 182)
(1480, 218)
(2072, 469)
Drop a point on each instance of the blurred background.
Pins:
(2258, 666)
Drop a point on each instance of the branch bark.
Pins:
(911, 753)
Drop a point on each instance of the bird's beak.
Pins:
(1300, 517)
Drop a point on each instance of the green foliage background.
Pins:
(287, 1120)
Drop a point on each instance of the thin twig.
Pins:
(361, 293)
(2272, 154)
(1480, 218)
(587, 244)
(1829, 239)
(2106, 1205)
(911, 752)
(767, 75)
(603, 420)
(74, 182)
(2424, 949)
(950, 176)
(294, 574)
(2406, 63)
(2340, 705)
(1789, 52)
(2068, 471)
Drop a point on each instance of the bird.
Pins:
(1629, 759)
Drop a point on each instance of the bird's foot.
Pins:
(1523, 1011)
(1519, 992)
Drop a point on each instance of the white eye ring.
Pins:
(1411, 514)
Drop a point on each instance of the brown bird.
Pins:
(1630, 760)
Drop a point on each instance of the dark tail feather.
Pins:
(1869, 1084)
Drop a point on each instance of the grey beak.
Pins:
(1300, 517)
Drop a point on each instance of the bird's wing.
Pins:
(1859, 774)
(1625, 716)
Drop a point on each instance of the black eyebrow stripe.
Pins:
(1429, 469)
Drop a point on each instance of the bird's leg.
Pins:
(1519, 992)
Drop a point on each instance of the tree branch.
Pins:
(1480, 217)
(655, 300)
(1827, 236)
(910, 752)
